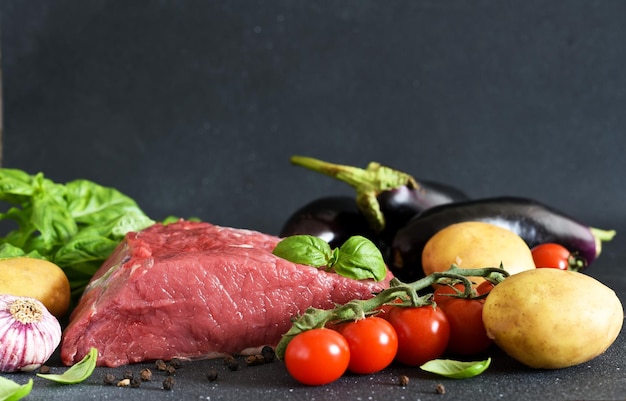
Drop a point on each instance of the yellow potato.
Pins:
(551, 319)
(36, 278)
(475, 244)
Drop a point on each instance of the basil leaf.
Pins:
(12, 391)
(359, 258)
(78, 372)
(52, 220)
(16, 186)
(76, 225)
(456, 369)
(304, 249)
(8, 251)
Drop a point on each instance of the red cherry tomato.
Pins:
(552, 255)
(484, 287)
(443, 293)
(383, 311)
(467, 331)
(373, 344)
(318, 356)
(423, 333)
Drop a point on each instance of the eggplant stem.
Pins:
(368, 183)
(601, 236)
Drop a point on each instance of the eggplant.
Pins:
(332, 218)
(388, 198)
(535, 222)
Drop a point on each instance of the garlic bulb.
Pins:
(29, 333)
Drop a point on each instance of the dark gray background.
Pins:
(193, 108)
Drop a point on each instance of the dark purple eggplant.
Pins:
(332, 218)
(387, 197)
(535, 222)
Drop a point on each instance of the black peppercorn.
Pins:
(168, 383)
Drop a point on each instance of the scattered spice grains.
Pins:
(267, 355)
(254, 360)
(403, 380)
(440, 389)
(130, 379)
(168, 383)
(44, 369)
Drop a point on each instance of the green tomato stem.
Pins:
(408, 294)
(368, 183)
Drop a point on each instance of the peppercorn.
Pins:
(253, 360)
(145, 374)
(403, 380)
(109, 379)
(440, 389)
(135, 382)
(176, 363)
(168, 383)
(212, 375)
(160, 364)
(231, 363)
(268, 353)
(44, 369)
(170, 370)
(128, 374)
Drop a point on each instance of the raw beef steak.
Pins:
(196, 290)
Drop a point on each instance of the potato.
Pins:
(551, 319)
(36, 278)
(475, 244)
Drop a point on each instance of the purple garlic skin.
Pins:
(29, 333)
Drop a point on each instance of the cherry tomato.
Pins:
(467, 331)
(443, 293)
(484, 287)
(318, 356)
(423, 333)
(384, 310)
(552, 255)
(373, 344)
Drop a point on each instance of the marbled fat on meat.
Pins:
(196, 290)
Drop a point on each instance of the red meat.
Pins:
(195, 290)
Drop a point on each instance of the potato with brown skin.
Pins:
(475, 244)
(36, 278)
(550, 319)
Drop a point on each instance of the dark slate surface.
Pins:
(194, 108)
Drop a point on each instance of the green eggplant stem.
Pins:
(601, 236)
(368, 183)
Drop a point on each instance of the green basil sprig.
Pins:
(75, 225)
(456, 369)
(358, 258)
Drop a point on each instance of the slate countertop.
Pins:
(603, 378)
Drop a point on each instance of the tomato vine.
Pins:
(398, 294)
